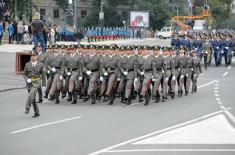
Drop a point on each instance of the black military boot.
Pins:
(74, 102)
(164, 99)
(63, 94)
(180, 93)
(186, 93)
(40, 100)
(45, 95)
(128, 101)
(87, 98)
(141, 98)
(69, 97)
(106, 98)
(51, 98)
(147, 98)
(172, 94)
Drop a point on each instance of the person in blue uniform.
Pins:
(227, 47)
(217, 45)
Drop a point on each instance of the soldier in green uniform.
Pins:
(196, 71)
(33, 74)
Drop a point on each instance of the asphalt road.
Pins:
(82, 129)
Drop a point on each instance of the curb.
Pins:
(10, 89)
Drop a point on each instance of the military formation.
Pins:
(207, 45)
(98, 72)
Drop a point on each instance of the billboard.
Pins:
(139, 19)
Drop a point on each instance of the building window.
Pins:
(43, 13)
(56, 13)
(83, 13)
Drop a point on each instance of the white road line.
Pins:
(158, 132)
(172, 150)
(209, 83)
(219, 102)
(225, 74)
(222, 107)
(45, 124)
(216, 88)
(230, 115)
(216, 95)
(216, 91)
(217, 99)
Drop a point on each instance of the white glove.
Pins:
(181, 76)
(163, 71)
(142, 73)
(136, 79)
(69, 73)
(222, 51)
(217, 47)
(118, 79)
(125, 73)
(186, 74)
(192, 69)
(53, 69)
(173, 78)
(167, 79)
(194, 74)
(61, 77)
(105, 74)
(48, 71)
(226, 47)
(153, 80)
(29, 81)
(80, 78)
(88, 72)
(101, 78)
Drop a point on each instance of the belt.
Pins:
(176, 67)
(131, 70)
(57, 67)
(159, 70)
(95, 70)
(35, 78)
(74, 69)
(148, 70)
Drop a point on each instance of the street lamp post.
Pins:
(101, 14)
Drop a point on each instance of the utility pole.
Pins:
(75, 14)
(15, 9)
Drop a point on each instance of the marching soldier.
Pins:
(170, 70)
(189, 71)
(217, 48)
(227, 47)
(33, 73)
(92, 68)
(129, 71)
(42, 58)
(147, 70)
(110, 72)
(159, 75)
(176, 76)
(73, 69)
(183, 69)
(58, 71)
(196, 71)
(207, 52)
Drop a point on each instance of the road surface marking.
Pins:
(225, 74)
(216, 88)
(230, 116)
(172, 150)
(45, 124)
(217, 99)
(222, 107)
(216, 95)
(157, 132)
(207, 84)
(220, 103)
(216, 91)
(213, 130)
